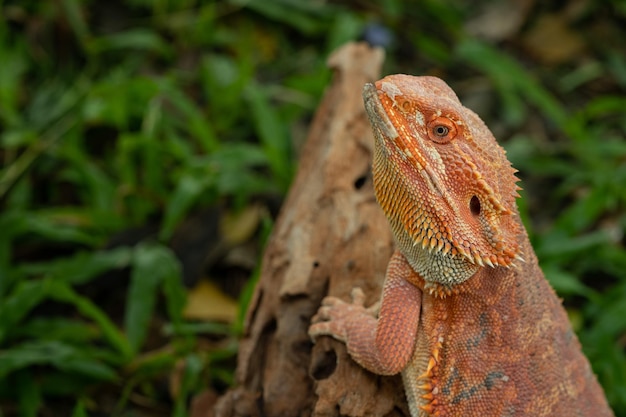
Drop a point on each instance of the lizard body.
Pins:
(466, 314)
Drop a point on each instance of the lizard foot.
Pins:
(335, 315)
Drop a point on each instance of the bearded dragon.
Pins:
(466, 314)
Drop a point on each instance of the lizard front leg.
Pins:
(384, 345)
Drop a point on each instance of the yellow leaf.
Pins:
(553, 41)
(206, 302)
(239, 227)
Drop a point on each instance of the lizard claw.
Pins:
(358, 296)
(335, 315)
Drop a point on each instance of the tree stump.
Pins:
(330, 236)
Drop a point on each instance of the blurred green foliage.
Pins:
(117, 115)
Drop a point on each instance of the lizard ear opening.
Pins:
(474, 206)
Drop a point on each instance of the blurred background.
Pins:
(146, 147)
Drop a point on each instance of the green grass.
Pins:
(115, 118)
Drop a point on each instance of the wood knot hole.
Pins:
(360, 182)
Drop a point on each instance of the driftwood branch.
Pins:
(330, 237)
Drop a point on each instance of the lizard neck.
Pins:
(440, 272)
(438, 268)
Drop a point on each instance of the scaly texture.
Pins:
(466, 313)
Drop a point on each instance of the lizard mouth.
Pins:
(376, 112)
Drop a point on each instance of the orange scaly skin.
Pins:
(466, 313)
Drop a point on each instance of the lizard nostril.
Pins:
(475, 205)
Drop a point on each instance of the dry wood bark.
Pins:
(330, 237)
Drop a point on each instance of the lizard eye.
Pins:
(441, 130)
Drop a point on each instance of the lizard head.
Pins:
(444, 183)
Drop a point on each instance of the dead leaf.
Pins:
(500, 20)
(553, 41)
(176, 378)
(207, 302)
(202, 404)
(238, 227)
